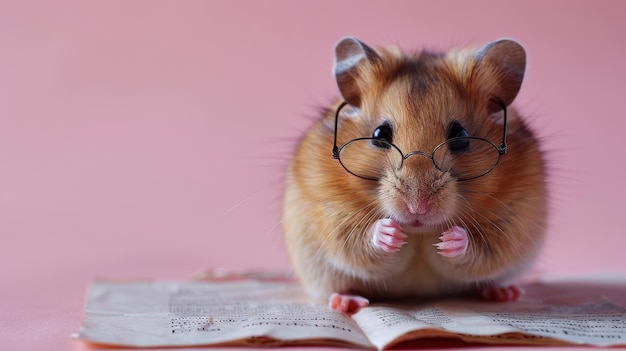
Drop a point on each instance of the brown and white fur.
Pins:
(416, 232)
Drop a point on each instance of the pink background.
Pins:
(149, 139)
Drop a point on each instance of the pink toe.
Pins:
(388, 235)
(502, 294)
(453, 242)
(347, 303)
(334, 300)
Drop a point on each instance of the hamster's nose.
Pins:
(420, 206)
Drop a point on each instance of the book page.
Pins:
(569, 320)
(275, 311)
(389, 325)
(151, 314)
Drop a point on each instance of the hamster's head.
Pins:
(425, 132)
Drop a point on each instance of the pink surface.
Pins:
(148, 139)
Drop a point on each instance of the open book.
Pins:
(276, 311)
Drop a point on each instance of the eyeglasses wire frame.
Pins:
(502, 149)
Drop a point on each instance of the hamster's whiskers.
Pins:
(368, 218)
(515, 244)
(367, 214)
(520, 220)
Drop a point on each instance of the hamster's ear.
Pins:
(500, 70)
(351, 57)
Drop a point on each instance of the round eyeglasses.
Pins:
(464, 157)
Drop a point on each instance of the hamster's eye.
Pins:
(383, 136)
(457, 138)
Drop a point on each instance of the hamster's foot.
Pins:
(347, 303)
(502, 293)
(453, 242)
(388, 235)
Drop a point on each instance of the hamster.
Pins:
(420, 181)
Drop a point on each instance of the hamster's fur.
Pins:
(417, 231)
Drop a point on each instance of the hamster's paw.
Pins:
(502, 293)
(453, 242)
(347, 303)
(388, 235)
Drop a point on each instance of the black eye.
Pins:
(458, 138)
(383, 136)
